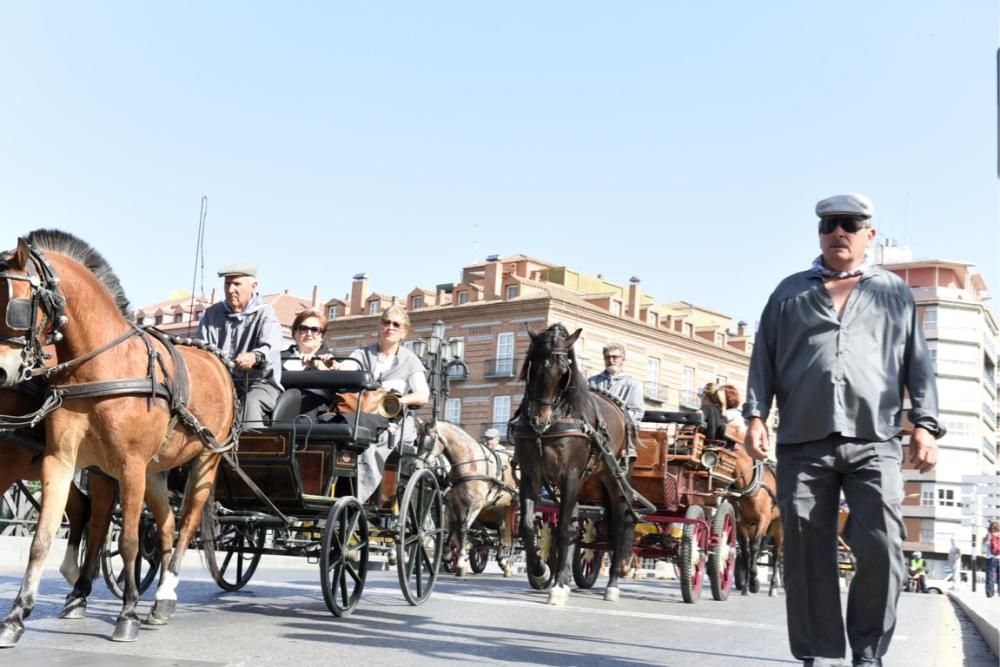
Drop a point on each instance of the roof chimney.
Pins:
(741, 328)
(359, 288)
(211, 298)
(315, 301)
(634, 297)
(494, 278)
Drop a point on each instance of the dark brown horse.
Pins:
(758, 519)
(563, 434)
(120, 399)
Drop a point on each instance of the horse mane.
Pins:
(576, 398)
(64, 243)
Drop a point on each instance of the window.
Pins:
(512, 291)
(688, 329)
(197, 315)
(688, 383)
(463, 297)
(720, 380)
(373, 308)
(616, 308)
(946, 497)
(158, 319)
(930, 318)
(926, 535)
(178, 318)
(418, 302)
(453, 410)
(652, 319)
(505, 355)
(653, 378)
(926, 498)
(501, 413)
(331, 312)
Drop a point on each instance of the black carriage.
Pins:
(291, 490)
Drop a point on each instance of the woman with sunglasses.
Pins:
(399, 370)
(308, 353)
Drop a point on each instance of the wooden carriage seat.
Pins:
(346, 428)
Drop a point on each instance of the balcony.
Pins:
(654, 392)
(990, 416)
(689, 398)
(500, 368)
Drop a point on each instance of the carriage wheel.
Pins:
(722, 559)
(692, 564)
(421, 536)
(587, 562)
(479, 556)
(545, 536)
(343, 562)
(232, 552)
(147, 565)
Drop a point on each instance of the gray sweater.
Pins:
(255, 329)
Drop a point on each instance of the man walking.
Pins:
(838, 345)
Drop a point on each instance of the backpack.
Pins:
(995, 544)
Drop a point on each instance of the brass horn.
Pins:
(390, 406)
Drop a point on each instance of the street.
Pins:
(280, 619)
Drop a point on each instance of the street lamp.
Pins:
(439, 357)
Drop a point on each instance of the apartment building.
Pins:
(673, 349)
(962, 335)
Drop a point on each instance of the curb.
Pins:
(986, 628)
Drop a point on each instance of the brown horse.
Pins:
(482, 482)
(563, 434)
(758, 519)
(120, 399)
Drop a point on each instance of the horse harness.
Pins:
(22, 315)
(497, 485)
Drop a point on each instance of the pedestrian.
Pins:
(838, 346)
(955, 563)
(991, 550)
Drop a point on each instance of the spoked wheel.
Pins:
(421, 536)
(722, 559)
(147, 565)
(545, 536)
(343, 562)
(232, 552)
(587, 562)
(692, 565)
(479, 555)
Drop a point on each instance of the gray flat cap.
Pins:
(240, 269)
(848, 204)
(491, 433)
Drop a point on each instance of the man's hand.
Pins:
(923, 450)
(757, 442)
(245, 361)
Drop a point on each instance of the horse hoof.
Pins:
(612, 594)
(772, 594)
(126, 630)
(745, 591)
(161, 612)
(462, 571)
(558, 596)
(74, 609)
(9, 634)
(508, 573)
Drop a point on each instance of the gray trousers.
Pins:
(371, 462)
(258, 403)
(811, 476)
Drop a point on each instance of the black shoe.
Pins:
(859, 661)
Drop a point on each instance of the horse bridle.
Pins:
(22, 313)
(567, 378)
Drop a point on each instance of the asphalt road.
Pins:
(280, 619)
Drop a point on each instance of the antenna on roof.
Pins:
(199, 256)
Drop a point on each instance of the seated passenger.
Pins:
(733, 413)
(399, 370)
(308, 353)
(711, 407)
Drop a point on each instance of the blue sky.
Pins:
(682, 142)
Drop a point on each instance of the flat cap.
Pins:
(491, 433)
(847, 204)
(240, 269)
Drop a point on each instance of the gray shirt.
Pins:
(625, 388)
(845, 375)
(405, 372)
(254, 329)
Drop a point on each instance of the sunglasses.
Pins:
(392, 324)
(613, 356)
(847, 223)
(303, 329)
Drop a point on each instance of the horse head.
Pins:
(33, 309)
(548, 373)
(428, 443)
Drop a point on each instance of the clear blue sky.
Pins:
(682, 142)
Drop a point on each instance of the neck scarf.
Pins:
(819, 267)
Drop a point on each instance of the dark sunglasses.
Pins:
(392, 324)
(303, 329)
(847, 223)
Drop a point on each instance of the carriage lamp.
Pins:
(710, 459)
(440, 356)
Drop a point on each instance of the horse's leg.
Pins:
(744, 561)
(78, 514)
(158, 502)
(100, 504)
(199, 488)
(132, 485)
(506, 539)
(471, 511)
(755, 546)
(57, 476)
(529, 498)
(565, 539)
(622, 527)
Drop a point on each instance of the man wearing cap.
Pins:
(491, 438)
(616, 382)
(246, 330)
(837, 346)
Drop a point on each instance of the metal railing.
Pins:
(504, 367)
(655, 391)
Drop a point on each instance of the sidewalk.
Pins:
(983, 612)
